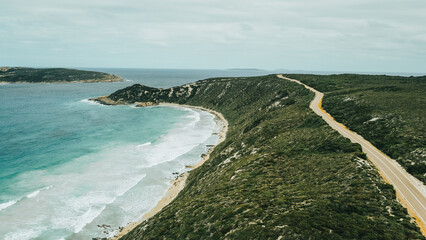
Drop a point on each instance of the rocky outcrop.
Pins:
(107, 101)
(144, 96)
(145, 104)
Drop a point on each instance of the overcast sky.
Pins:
(336, 35)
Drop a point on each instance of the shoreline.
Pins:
(179, 183)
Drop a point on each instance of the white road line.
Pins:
(378, 158)
(388, 167)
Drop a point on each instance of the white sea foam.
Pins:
(36, 192)
(25, 234)
(102, 188)
(180, 140)
(91, 102)
(29, 195)
(143, 145)
(7, 204)
(86, 218)
(195, 116)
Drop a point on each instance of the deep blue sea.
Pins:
(69, 166)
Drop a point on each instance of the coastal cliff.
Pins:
(53, 75)
(281, 173)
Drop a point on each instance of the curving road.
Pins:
(410, 191)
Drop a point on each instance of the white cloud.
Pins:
(255, 32)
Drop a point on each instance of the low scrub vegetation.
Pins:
(388, 111)
(281, 173)
(53, 75)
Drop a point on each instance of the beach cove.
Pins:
(100, 191)
(59, 138)
(281, 173)
(178, 184)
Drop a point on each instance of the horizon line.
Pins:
(280, 70)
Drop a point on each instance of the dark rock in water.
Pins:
(104, 226)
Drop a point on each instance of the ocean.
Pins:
(74, 169)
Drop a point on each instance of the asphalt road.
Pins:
(410, 191)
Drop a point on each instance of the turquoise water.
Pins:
(68, 165)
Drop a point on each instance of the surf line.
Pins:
(178, 184)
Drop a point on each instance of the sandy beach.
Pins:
(179, 183)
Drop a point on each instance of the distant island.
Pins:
(245, 69)
(53, 75)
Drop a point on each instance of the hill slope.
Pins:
(53, 75)
(388, 111)
(282, 172)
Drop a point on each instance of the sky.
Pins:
(312, 35)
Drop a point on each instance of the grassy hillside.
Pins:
(53, 75)
(282, 173)
(388, 111)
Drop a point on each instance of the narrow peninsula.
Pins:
(53, 75)
(281, 173)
